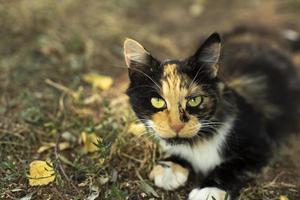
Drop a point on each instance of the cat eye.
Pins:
(158, 102)
(194, 101)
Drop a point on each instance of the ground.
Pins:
(48, 47)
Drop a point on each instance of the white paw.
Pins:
(208, 193)
(169, 176)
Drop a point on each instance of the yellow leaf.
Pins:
(282, 197)
(45, 147)
(98, 81)
(40, 173)
(101, 161)
(62, 146)
(137, 129)
(89, 140)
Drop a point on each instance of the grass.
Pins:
(45, 49)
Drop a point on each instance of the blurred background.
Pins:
(62, 83)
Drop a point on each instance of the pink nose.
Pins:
(177, 127)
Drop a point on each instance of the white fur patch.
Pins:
(167, 178)
(205, 155)
(207, 193)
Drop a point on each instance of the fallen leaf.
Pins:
(62, 146)
(45, 147)
(89, 140)
(137, 129)
(98, 81)
(101, 161)
(282, 197)
(40, 173)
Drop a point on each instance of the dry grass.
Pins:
(45, 49)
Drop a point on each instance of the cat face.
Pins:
(176, 98)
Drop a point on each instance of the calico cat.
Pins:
(216, 114)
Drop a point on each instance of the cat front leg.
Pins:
(224, 182)
(170, 173)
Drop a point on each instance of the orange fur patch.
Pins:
(175, 88)
(156, 171)
(159, 169)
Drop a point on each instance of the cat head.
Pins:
(176, 99)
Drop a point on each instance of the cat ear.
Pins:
(136, 56)
(138, 60)
(208, 54)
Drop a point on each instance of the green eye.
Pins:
(194, 101)
(158, 102)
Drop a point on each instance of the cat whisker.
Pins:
(199, 70)
(146, 76)
(137, 70)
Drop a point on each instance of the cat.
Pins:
(217, 113)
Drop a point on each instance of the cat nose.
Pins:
(177, 127)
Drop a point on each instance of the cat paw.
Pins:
(208, 193)
(169, 176)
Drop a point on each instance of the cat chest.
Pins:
(206, 154)
(202, 157)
